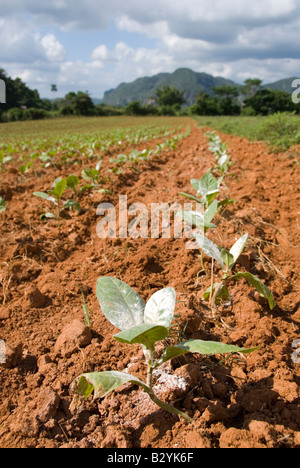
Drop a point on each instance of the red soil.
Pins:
(251, 402)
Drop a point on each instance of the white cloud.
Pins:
(54, 51)
(235, 39)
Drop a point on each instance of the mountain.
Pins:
(143, 89)
(282, 85)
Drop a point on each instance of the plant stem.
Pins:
(169, 408)
(213, 301)
(150, 368)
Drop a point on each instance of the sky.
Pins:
(94, 45)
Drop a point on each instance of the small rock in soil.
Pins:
(34, 299)
(73, 336)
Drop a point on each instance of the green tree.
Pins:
(79, 103)
(167, 96)
(228, 104)
(205, 105)
(267, 101)
(251, 87)
(135, 108)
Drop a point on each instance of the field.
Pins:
(52, 255)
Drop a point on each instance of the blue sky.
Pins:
(94, 45)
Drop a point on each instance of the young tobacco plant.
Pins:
(219, 292)
(219, 149)
(145, 324)
(208, 188)
(54, 196)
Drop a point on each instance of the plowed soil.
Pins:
(239, 402)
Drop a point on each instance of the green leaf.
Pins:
(59, 189)
(195, 218)
(145, 334)
(2, 205)
(208, 184)
(258, 285)
(72, 182)
(45, 196)
(170, 353)
(211, 347)
(71, 205)
(160, 307)
(237, 249)
(222, 296)
(120, 304)
(190, 197)
(207, 187)
(210, 249)
(86, 311)
(211, 211)
(103, 383)
(228, 259)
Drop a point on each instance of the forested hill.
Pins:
(143, 89)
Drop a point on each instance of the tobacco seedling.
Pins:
(218, 292)
(54, 196)
(201, 221)
(92, 176)
(219, 149)
(208, 188)
(145, 324)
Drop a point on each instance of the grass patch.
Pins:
(280, 131)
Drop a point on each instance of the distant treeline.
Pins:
(22, 103)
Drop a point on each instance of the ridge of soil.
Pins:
(248, 402)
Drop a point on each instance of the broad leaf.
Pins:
(207, 185)
(210, 249)
(160, 307)
(211, 347)
(103, 383)
(120, 304)
(237, 249)
(195, 218)
(258, 285)
(144, 334)
(228, 259)
(190, 197)
(211, 211)
(72, 182)
(45, 196)
(171, 352)
(59, 189)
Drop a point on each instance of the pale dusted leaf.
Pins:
(160, 307)
(237, 249)
(210, 249)
(120, 304)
